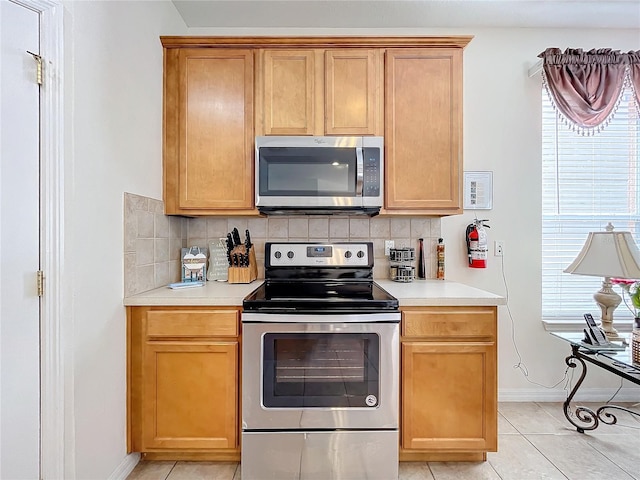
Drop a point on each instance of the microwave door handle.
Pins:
(359, 171)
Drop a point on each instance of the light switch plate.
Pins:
(388, 245)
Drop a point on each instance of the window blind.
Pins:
(587, 181)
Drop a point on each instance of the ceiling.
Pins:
(410, 13)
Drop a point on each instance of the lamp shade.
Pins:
(608, 254)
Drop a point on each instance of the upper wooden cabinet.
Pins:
(208, 131)
(320, 92)
(221, 92)
(423, 131)
(354, 92)
(289, 103)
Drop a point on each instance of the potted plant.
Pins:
(630, 294)
(631, 298)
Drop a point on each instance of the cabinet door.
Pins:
(190, 395)
(321, 92)
(353, 92)
(449, 396)
(423, 130)
(292, 98)
(208, 148)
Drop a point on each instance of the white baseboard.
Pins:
(126, 467)
(626, 394)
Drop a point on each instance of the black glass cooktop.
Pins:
(329, 296)
(303, 277)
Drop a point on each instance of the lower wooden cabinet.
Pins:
(184, 377)
(184, 382)
(448, 383)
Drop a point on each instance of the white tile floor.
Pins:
(535, 441)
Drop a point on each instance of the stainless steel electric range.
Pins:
(320, 367)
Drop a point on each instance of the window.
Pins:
(587, 181)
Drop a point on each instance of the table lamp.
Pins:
(608, 254)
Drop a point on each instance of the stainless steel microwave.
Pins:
(319, 175)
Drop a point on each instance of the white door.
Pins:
(19, 245)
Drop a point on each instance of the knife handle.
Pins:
(236, 237)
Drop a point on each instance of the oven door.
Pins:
(320, 375)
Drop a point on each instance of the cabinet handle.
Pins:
(359, 171)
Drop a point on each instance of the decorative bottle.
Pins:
(421, 261)
(635, 341)
(440, 259)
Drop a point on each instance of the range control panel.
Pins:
(319, 254)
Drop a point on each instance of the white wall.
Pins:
(113, 110)
(502, 134)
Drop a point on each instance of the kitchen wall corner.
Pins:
(152, 244)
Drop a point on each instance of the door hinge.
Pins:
(38, 60)
(40, 280)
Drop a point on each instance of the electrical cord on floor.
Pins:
(630, 407)
(520, 365)
(566, 378)
(616, 392)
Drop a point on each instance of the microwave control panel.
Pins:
(372, 174)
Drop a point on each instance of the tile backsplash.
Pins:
(403, 231)
(153, 240)
(152, 243)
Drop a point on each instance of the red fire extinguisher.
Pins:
(476, 237)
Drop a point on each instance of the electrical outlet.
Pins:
(388, 245)
(498, 249)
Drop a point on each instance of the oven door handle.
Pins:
(382, 317)
(359, 171)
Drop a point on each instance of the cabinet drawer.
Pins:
(449, 322)
(192, 323)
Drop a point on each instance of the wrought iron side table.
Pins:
(615, 361)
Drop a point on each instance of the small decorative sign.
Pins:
(218, 262)
(478, 190)
(194, 264)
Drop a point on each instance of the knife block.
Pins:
(243, 274)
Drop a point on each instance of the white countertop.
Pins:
(213, 293)
(439, 293)
(416, 293)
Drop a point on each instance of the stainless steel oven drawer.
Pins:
(362, 455)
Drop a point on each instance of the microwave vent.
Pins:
(369, 212)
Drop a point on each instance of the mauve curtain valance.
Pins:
(586, 87)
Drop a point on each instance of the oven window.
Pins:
(320, 369)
